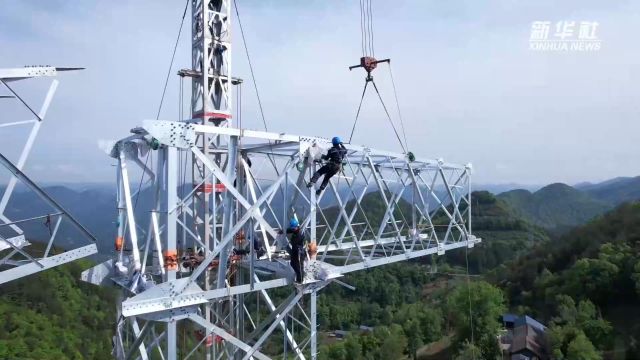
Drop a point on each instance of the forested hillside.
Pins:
(615, 191)
(592, 270)
(583, 284)
(505, 234)
(557, 207)
(53, 315)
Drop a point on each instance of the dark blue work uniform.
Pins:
(297, 254)
(334, 158)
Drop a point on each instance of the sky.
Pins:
(470, 90)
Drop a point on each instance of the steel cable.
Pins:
(389, 116)
(175, 47)
(255, 85)
(358, 112)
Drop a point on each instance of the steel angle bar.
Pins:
(226, 336)
(381, 188)
(273, 325)
(15, 123)
(441, 205)
(455, 203)
(47, 263)
(53, 236)
(139, 341)
(310, 139)
(43, 195)
(26, 150)
(402, 257)
(343, 214)
(250, 213)
(217, 172)
(133, 236)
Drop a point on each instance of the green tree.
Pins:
(580, 348)
(584, 317)
(475, 309)
(392, 342)
(414, 337)
(431, 322)
(591, 279)
(352, 347)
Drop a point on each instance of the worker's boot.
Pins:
(310, 184)
(319, 191)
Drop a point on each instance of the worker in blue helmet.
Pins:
(297, 253)
(334, 158)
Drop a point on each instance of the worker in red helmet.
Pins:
(335, 155)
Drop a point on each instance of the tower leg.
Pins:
(314, 326)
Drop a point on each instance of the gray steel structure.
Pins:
(18, 256)
(208, 251)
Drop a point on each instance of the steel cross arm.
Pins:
(47, 263)
(162, 300)
(228, 337)
(310, 139)
(142, 304)
(26, 72)
(363, 243)
(271, 147)
(405, 256)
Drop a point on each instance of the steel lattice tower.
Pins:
(207, 254)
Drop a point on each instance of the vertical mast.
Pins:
(211, 105)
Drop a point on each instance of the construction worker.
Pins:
(296, 249)
(334, 158)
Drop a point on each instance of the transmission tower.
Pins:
(203, 265)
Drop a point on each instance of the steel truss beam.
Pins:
(425, 206)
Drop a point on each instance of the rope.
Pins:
(389, 116)
(466, 257)
(255, 85)
(395, 94)
(175, 47)
(358, 112)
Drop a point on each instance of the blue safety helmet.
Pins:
(336, 141)
(294, 223)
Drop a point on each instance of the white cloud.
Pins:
(469, 88)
